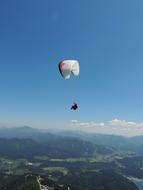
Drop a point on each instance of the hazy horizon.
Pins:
(114, 127)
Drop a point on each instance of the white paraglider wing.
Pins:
(67, 67)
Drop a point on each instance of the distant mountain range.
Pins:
(43, 135)
(56, 148)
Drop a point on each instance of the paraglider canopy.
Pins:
(67, 67)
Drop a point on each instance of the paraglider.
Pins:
(68, 67)
(74, 106)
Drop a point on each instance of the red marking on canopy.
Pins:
(61, 64)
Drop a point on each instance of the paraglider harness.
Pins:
(74, 106)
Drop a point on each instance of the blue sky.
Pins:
(105, 36)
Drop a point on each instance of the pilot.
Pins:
(74, 106)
